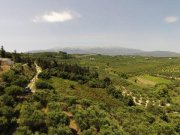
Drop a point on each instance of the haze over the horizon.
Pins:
(42, 24)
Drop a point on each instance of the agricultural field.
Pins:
(148, 80)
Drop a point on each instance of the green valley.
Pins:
(56, 93)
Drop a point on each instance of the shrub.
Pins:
(93, 84)
(21, 81)
(72, 86)
(2, 86)
(8, 76)
(56, 118)
(45, 74)
(124, 76)
(7, 100)
(23, 130)
(43, 85)
(71, 100)
(62, 130)
(114, 92)
(13, 90)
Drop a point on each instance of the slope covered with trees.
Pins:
(90, 94)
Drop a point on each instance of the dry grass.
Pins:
(3, 69)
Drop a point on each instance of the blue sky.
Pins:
(42, 24)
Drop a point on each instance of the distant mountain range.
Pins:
(112, 51)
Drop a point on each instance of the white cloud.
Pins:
(54, 17)
(171, 19)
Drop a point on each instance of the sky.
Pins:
(42, 24)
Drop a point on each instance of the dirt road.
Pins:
(32, 84)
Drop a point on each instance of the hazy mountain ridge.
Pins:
(112, 51)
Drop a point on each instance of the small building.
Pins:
(6, 61)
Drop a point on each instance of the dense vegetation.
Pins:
(90, 94)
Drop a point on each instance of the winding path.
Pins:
(126, 92)
(32, 84)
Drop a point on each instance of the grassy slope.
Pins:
(83, 92)
(146, 80)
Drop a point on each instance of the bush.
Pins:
(7, 100)
(71, 100)
(72, 86)
(93, 84)
(41, 96)
(107, 81)
(45, 74)
(13, 90)
(21, 81)
(62, 130)
(114, 92)
(23, 130)
(2, 86)
(9, 76)
(85, 102)
(56, 118)
(129, 101)
(124, 76)
(43, 85)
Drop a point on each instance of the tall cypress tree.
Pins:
(3, 52)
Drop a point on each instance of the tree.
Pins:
(56, 118)
(23, 130)
(21, 81)
(3, 52)
(16, 57)
(45, 74)
(43, 85)
(107, 81)
(114, 92)
(61, 130)
(130, 101)
(8, 76)
(7, 100)
(13, 90)
(3, 125)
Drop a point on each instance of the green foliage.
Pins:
(56, 118)
(13, 90)
(32, 118)
(24, 130)
(43, 85)
(72, 86)
(3, 123)
(104, 108)
(41, 96)
(21, 81)
(61, 130)
(123, 75)
(7, 100)
(114, 92)
(44, 74)
(3, 52)
(71, 100)
(2, 86)
(129, 101)
(9, 76)
(97, 119)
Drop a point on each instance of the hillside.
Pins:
(83, 94)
